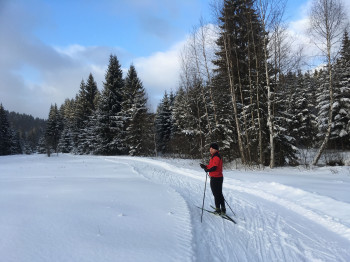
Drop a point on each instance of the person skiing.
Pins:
(216, 178)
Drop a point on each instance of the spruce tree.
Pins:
(308, 126)
(16, 143)
(241, 70)
(85, 107)
(340, 135)
(5, 133)
(286, 120)
(163, 124)
(110, 122)
(136, 114)
(196, 121)
(66, 142)
(180, 116)
(303, 122)
(53, 130)
(322, 99)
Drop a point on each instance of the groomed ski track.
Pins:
(270, 227)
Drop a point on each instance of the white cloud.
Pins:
(298, 33)
(35, 74)
(159, 72)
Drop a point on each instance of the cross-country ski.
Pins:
(224, 216)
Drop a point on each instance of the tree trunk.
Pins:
(327, 21)
(330, 116)
(233, 96)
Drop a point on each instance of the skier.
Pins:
(216, 178)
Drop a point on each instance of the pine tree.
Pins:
(180, 115)
(26, 130)
(136, 114)
(225, 131)
(163, 124)
(286, 120)
(110, 120)
(16, 143)
(190, 114)
(308, 127)
(53, 130)
(41, 148)
(303, 123)
(340, 135)
(92, 94)
(66, 142)
(322, 99)
(5, 133)
(85, 107)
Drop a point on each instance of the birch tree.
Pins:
(270, 15)
(327, 22)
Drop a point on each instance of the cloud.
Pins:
(35, 75)
(298, 33)
(21, 53)
(159, 72)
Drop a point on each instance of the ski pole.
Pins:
(205, 187)
(229, 207)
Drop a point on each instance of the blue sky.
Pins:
(139, 26)
(48, 46)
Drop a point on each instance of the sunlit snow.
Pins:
(95, 208)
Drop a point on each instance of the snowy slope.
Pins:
(89, 208)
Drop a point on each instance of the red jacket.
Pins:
(215, 161)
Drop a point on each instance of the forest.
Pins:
(242, 84)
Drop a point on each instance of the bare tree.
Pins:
(270, 14)
(327, 21)
(194, 45)
(205, 34)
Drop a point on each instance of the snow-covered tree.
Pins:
(53, 129)
(85, 108)
(327, 23)
(303, 121)
(340, 135)
(67, 141)
(241, 70)
(179, 132)
(163, 124)
(322, 100)
(5, 133)
(136, 115)
(110, 119)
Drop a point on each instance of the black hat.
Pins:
(214, 146)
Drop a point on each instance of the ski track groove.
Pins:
(260, 224)
(183, 230)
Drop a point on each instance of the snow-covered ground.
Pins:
(93, 208)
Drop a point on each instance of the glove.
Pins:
(203, 166)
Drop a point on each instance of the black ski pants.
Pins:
(216, 188)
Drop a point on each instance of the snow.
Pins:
(94, 208)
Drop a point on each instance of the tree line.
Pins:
(240, 85)
(19, 133)
(249, 93)
(115, 121)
